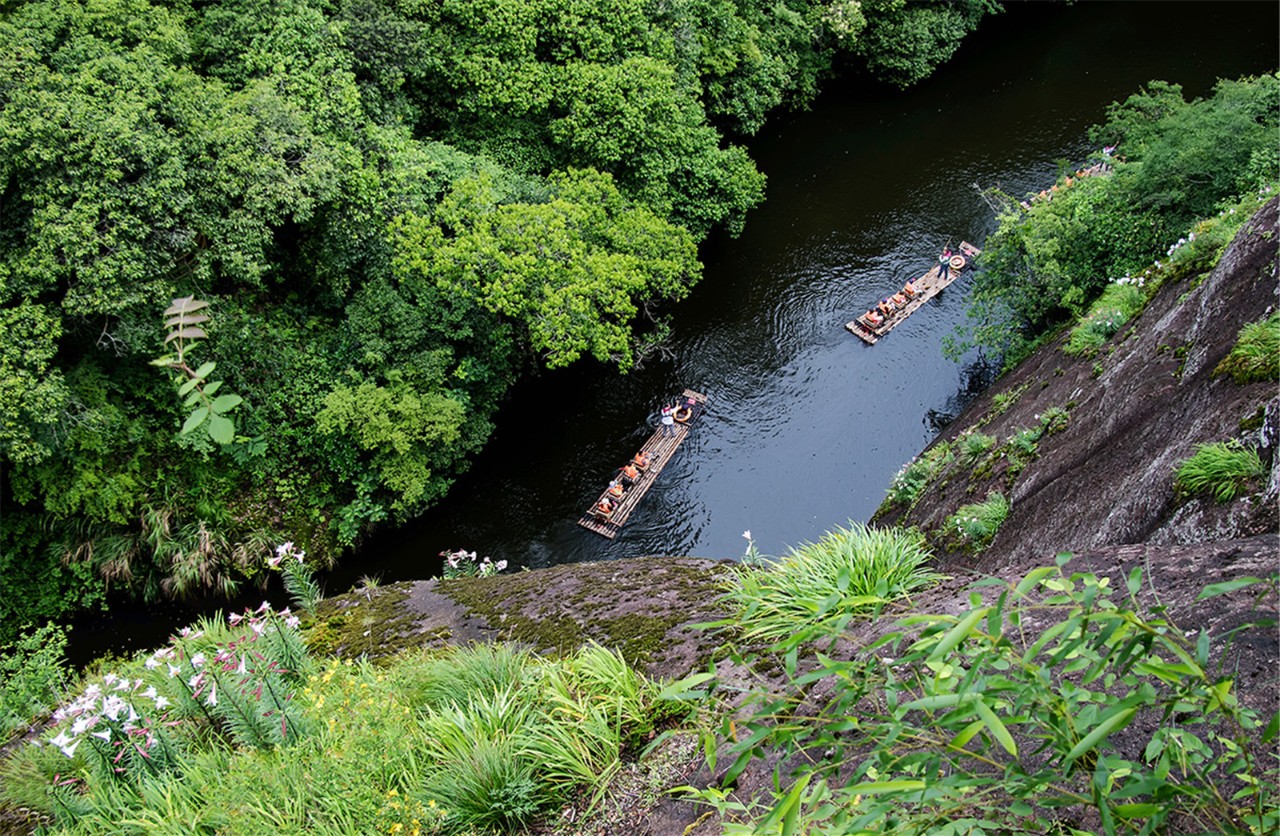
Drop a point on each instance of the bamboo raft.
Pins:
(927, 286)
(660, 449)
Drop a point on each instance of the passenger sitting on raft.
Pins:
(616, 489)
(604, 507)
(685, 411)
(899, 300)
(873, 317)
(640, 460)
(629, 475)
(909, 288)
(885, 308)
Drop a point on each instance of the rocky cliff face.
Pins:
(1135, 409)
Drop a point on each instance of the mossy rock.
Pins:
(643, 607)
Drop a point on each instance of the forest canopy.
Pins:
(393, 208)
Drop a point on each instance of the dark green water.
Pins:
(806, 425)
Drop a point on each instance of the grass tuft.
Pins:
(847, 571)
(1221, 469)
(1256, 354)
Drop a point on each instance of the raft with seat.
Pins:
(659, 448)
(927, 286)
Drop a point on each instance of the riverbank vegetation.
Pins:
(236, 728)
(1184, 176)
(1042, 706)
(392, 209)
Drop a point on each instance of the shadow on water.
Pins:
(806, 425)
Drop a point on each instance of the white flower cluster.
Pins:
(1136, 281)
(462, 563)
(1179, 244)
(126, 716)
(286, 551)
(106, 711)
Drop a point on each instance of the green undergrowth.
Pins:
(1055, 703)
(32, 677)
(1256, 355)
(237, 729)
(849, 571)
(972, 527)
(373, 623)
(1120, 301)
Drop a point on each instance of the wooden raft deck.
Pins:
(660, 449)
(927, 286)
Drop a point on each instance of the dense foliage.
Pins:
(1175, 162)
(235, 728)
(391, 207)
(1054, 704)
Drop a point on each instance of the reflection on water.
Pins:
(805, 424)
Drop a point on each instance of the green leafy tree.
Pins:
(572, 270)
(904, 42)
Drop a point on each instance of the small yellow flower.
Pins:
(396, 828)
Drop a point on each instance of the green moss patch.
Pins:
(635, 606)
(370, 622)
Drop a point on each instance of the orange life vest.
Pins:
(615, 489)
(630, 472)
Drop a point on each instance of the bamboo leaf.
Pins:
(789, 809)
(881, 787)
(1272, 729)
(958, 633)
(1117, 720)
(1135, 811)
(688, 688)
(1134, 583)
(1033, 579)
(936, 701)
(997, 728)
(966, 734)
(1215, 589)
(194, 420)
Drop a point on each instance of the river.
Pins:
(806, 425)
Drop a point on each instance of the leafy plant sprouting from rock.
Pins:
(208, 408)
(1051, 699)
